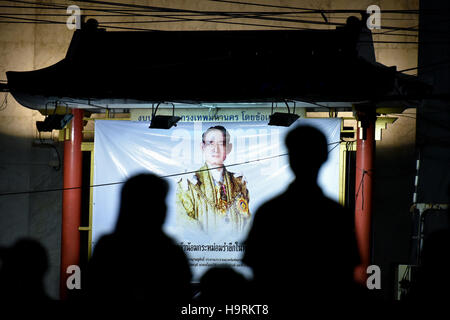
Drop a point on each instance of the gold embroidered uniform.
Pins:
(210, 205)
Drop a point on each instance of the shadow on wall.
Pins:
(395, 170)
(25, 165)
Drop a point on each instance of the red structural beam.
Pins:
(71, 213)
(365, 150)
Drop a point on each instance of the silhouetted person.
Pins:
(23, 267)
(302, 246)
(138, 267)
(223, 285)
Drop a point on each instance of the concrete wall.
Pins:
(25, 166)
(395, 169)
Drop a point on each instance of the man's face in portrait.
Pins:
(215, 147)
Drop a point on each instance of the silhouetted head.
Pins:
(308, 150)
(222, 284)
(29, 256)
(23, 269)
(354, 22)
(143, 204)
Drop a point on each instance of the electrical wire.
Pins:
(227, 15)
(122, 12)
(183, 13)
(44, 143)
(33, 20)
(121, 182)
(175, 18)
(440, 63)
(361, 188)
(231, 15)
(90, 4)
(165, 176)
(214, 20)
(315, 10)
(162, 10)
(336, 145)
(140, 8)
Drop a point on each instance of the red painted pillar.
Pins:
(365, 153)
(71, 213)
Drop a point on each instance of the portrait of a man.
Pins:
(213, 198)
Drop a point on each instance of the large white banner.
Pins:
(218, 177)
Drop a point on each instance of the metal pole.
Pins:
(365, 150)
(71, 213)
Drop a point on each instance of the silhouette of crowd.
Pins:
(301, 248)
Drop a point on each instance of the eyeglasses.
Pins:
(214, 143)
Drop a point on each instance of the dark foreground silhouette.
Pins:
(430, 289)
(302, 246)
(138, 268)
(22, 270)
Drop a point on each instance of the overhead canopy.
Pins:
(111, 69)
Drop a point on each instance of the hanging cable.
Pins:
(165, 176)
